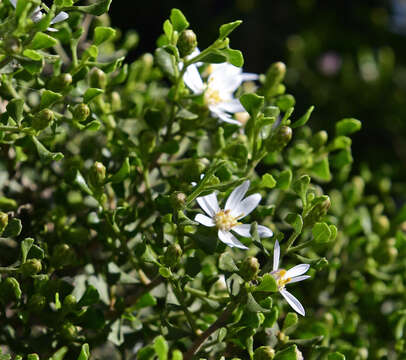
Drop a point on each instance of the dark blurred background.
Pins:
(346, 57)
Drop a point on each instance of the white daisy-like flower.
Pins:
(284, 277)
(38, 14)
(228, 219)
(224, 79)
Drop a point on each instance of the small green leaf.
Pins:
(286, 102)
(26, 245)
(335, 356)
(321, 232)
(80, 181)
(291, 319)
(348, 126)
(177, 355)
(185, 114)
(84, 352)
(226, 263)
(42, 41)
(166, 63)
(321, 169)
(97, 9)
(168, 29)
(44, 153)
(289, 353)
(252, 103)
(234, 57)
(59, 354)
(268, 284)
(63, 3)
(161, 347)
(15, 109)
(214, 57)
(32, 54)
(300, 187)
(228, 28)
(13, 228)
(284, 179)
(165, 272)
(178, 20)
(296, 221)
(303, 119)
(91, 93)
(268, 181)
(121, 174)
(90, 297)
(253, 306)
(49, 98)
(102, 34)
(145, 301)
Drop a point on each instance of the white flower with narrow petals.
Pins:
(38, 14)
(228, 219)
(284, 277)
(223, 81)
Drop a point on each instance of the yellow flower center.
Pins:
(279, 276)
(224, 220)
(212, 97)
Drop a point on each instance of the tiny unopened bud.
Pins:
(97, 174)
(69, 302)
(274, 77)
(62, 255)
(10, 289)
(382, 225)
(249, 269)
(36, 302)
(68, 331)
(172, 255)
(319, 139)
(178, 199)
(264, 353)
(279, 139)
(60, 82)
(115, 101)
(43, 119)
(187, 42)
(33, 356)
(148, 60)
(31, 267)
(3, 221)
(318, 210)
(81, 112)
(242, 117)
(193, 169)
(98, 78)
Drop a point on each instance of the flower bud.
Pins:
(97, 174)
(31, 267)
(98, 78)
(172, 255)
(81, 112)
(187, 42)
(115, 101)
(178, 199)
(382, 225)
(279, 139)
(43, 119)
(33, 357)
(318, 210)
(68, 331)
(69, 302)
(10, 289)
(274, 77)
(272, 111)
(60, 82)
(62, 255)
(319, 139)
(3, 221)
(264, 353)
(249, 269)
(192, 170)
(36, 302)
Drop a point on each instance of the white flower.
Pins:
(228, 219)
(38, 14)
(284, 277)
(223, 81)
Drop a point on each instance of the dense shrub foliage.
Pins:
(177, 207)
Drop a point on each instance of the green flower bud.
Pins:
(279, 139)
(10, 289)
(60, 82)
(382, 225)
(319, 139)
(272, 111)
(32, 357)
(318, 211)
(97, 174)
(3, 221)
(69, 331)
(249, 268)
(274, 77)
(192, 170)
(264, 353)
(178, 199)
(69, 302)
(172, 255)
(187, 42)
(12, 45)
(115, 101)
(81, 112)
(31, 267)
(43, 119)
(62, 255)
(98, 78)
(36, 302)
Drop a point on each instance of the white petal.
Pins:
(236, 196)
(264, 232)
(276, 255)
(242, 229)
(296, 271)
(14, 3)
(60, 17)
(246, 206)
(204, 220)
(223, 115)
(193, 80)
(249, 76)
(209, 204)
(298, 278)
(293, 302)
(232, 106)
(37, 14)
(51, 29)
(229, 239)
